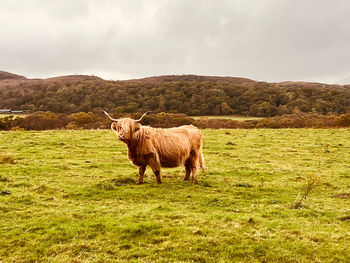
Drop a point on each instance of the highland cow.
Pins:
(160, 147)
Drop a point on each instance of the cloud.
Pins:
(270, 40)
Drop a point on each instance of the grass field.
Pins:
(229, 117)
(17, 115)
(70, 196)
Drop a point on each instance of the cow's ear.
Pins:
(114, 126)
(136, 126)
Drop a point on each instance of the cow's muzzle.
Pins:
(122, 138)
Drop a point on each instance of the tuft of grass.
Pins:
(312, 181)
(7, 159)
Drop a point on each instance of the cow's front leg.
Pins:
(188, 170)
(142, 170)
(155, 165)
(157, 174)
(194, 173)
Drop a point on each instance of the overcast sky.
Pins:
(268, 40)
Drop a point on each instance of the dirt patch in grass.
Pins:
(243, 185)
(345, 218)
(5, 192)
(122, 181)
(3, 179)
(298, 179)
(342, 196)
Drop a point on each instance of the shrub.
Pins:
(82, 117)
(17, 128)
(312, 181)
(72, 126)
(42, 121)
(343, 120)
(5, 122)
(82, 120)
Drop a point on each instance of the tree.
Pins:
(131, 107)
(264, 109)
(226, 109)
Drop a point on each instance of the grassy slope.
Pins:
(73, 198)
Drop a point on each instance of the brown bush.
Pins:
(42, 121)
(343, 120)
(298, 120)
(17, 128)
(81, 120)
(72, 126)
(82, 117)
(5, 122)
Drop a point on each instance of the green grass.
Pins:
(20, 115)
(70, 196)
(229, 117)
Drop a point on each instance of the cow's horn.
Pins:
(142, 116)
(110, 116)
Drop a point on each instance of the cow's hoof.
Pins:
(139, 182)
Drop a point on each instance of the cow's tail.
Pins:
(201, 159)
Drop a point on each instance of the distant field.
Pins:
(17, 115)
(230, 117)
(70, 196)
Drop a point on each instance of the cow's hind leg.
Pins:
(188, 170)
(155, 165)
(142, 170)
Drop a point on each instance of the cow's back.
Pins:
(185, 136)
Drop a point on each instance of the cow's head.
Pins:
(125, 128)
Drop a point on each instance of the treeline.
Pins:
(81, 120)
(190, 96)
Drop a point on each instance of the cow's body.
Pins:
(171, 147)
(161, 147)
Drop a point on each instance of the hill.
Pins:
(189, 94)
(192, 78)
(74, 78)
(7, 75)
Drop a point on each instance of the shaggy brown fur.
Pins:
(161, 147)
